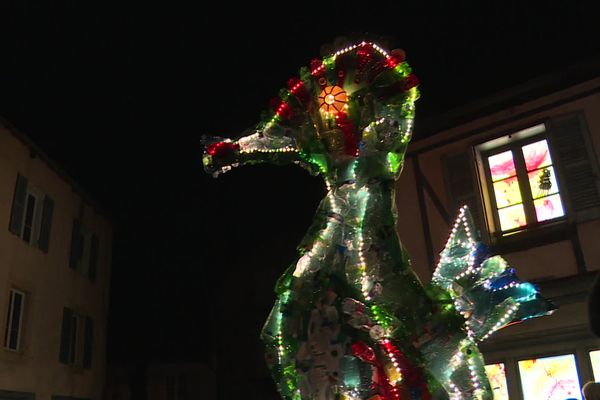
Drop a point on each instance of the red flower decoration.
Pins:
(297, 88)
(347, 128)
(364, 352)
(396, 57)
(316, 67)
(410, 82)
(315, 63)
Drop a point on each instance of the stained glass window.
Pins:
(497, 376)
(550, 378)
(542, 181)
(595, 359)
(506, 191)
(524, 167)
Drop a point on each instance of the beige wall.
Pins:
(49, 284)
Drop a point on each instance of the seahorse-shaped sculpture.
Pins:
(351, 319)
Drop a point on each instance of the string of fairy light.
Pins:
(364, 278)
(506, 318)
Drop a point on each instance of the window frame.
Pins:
(514, 142)
(9, 320)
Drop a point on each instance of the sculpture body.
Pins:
(351, 319)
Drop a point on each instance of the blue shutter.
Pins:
(76, 245)
(577, 165)
(65, 336)
(18, 206)
(46, 224)
(88, 343)
(94, 244)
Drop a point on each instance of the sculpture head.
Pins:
(354, 104)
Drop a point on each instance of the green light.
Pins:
(394, 161)
(403, 69)
(318, 160)
(328, 60)
(382, 317)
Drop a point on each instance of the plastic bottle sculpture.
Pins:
(351, 319)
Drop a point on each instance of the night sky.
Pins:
(121, 96)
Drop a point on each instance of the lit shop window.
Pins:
(595, 359)
(550, 378)
(497, 377)
(521, 183)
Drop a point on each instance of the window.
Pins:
(527, 180)
(552, 378)
(31, 214)
(497, 377)
(14, 320)
(84, 250)
(521, 181)
(595, 360)
(77, 336)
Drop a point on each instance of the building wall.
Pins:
(161, 381)
(564, 268)
(48, 282)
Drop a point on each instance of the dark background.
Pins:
(120, 95)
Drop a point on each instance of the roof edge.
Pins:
(55, 167)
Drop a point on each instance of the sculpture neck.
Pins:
(362, 170)
(356, 201)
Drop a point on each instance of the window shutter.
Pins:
(46, 224)
(76, 245)
(571, 146)
(65, 336)
(88, 343)
(93, 257)
(18, 206)
(461, 186)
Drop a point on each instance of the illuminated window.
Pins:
(497, 376)
(550, 378)
(595, 359)
(521, 181)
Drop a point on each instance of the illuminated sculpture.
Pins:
(352, 320)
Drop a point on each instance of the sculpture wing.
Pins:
(485, 289)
